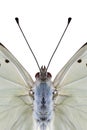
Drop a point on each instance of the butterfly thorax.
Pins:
(43, 101)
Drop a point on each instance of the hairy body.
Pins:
(43, 103)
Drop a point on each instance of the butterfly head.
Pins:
(43, 74)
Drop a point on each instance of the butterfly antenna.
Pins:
(17, 21)
(69, 20)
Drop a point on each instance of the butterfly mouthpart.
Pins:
(43, 68)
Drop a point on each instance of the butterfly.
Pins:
(43, 104)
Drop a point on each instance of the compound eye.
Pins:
(37, 75)
(49, 75)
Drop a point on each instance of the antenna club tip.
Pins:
(17, 20)
(69, 20)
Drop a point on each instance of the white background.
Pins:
(43, 22)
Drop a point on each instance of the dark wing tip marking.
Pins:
(6, 60)
(84, 45)
(2, 45)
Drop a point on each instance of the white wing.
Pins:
(15, 102)
(71, 103)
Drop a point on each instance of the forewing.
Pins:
(12, 70)
(70, 112)
(74, 70)
(15, 102)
